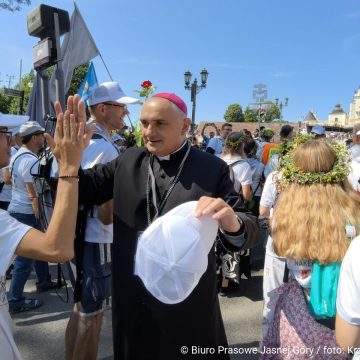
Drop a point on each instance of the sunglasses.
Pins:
(8, 135)
(117, 105)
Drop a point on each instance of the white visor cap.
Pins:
(172, 253)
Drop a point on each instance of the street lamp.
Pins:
(280, 106)
(195, 89)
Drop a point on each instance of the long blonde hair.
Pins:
(309, 220)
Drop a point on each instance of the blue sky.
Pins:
(305, 50)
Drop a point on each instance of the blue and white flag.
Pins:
(88, 83)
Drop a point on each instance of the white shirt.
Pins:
(354, 175)
(22, 167)
(268, 199)
(5, 194)
(242, 171)
(99, 151)
(217, 144)
(10, 236)
(348, 294)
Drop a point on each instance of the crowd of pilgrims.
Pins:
(307, 206)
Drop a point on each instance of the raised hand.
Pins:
(71, 136)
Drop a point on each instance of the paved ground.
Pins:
(40, 333)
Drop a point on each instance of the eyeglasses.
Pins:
(117, 105)
(8, 135)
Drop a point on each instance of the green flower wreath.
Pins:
(292, 174)
(235, 144)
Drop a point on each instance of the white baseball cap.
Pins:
(12, 121)
(30, 127)
(109, 91)
(172, 253)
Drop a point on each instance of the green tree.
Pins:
(77, 79)
(13, 5)
(272, 112)
(10, 104)
(5, 102)
(250, 115)
(234, 113)
(26, 85)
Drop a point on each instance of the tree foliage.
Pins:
(250, 115)
(77, 79)
(234, 113)
(10, 104)
(269, 113)
(272, 113)
(13, 5)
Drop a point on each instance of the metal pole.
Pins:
(44, 93)
(193, 99)
(19, 110)
(259, 115)
(59, 74)
(106, 67)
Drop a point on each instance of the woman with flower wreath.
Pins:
(315, 217)
(234, 264)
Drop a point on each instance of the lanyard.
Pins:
(152, 182)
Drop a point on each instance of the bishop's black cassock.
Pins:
(143, 327)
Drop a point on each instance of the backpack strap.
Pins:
(97, 136)
(16, 157)
(231, 171)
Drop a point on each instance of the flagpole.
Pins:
(76, 7)
(105, 66)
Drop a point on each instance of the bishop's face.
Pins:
(163, 127)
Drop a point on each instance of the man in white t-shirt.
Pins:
(354, 176)
(347, 326)
(216, 144)
(107, 107)
(274, 265)
(25, 208)
(57, 243)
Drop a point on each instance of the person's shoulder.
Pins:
(133, 154)
(355, 245)
(206, 158)
(24, 157)
(260, 165)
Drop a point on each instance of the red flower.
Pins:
(146, 84)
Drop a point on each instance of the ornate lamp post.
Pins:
(195, 89)
(281, 105)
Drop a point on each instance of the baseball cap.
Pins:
(172, 253)
(318, 130)
(12, 121)
(15, 130)
(29, 128)
(286, 130)
(109, 91)
(180, 103)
